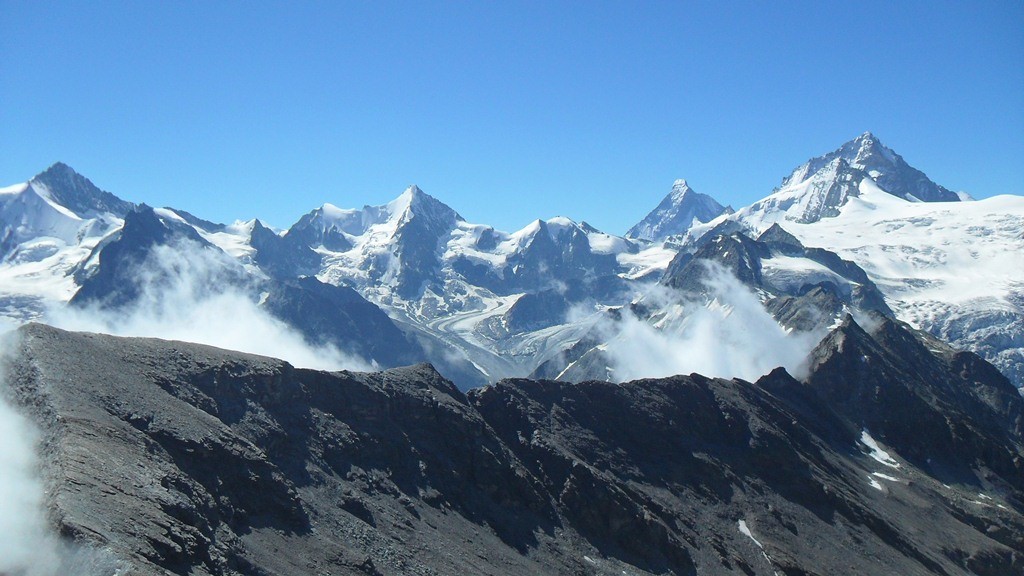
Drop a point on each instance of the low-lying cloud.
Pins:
(730, 335)
(28, 544)
(186, 295)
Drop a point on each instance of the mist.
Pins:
(185, 294)
(28, 544)
(730, 335)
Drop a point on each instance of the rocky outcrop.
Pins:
(184, 459)
(802, 287)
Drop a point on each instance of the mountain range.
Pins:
(826, 381)
(854, 230)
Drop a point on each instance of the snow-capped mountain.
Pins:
(48, 227)
(954, 269)
(679, 211)
(397, 245)
(498, 299)
(820, 187)
(949, 267)
(770, 298)
(854, 231)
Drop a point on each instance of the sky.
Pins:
(506, 111)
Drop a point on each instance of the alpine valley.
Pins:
(826, 381)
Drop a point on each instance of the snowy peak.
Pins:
(680, 188)
(822, 186)
(808, 196)
(885, 167)
(567, 234)
(61, 184)
(679, 211)
(415, 202)
(56, 210)
(867, 149)
(398, 244)
(339, 229)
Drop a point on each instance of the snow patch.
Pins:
(876, 452)
(745, 530)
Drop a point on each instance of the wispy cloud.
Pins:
(186, 295)
(728, 335)
(28, 544)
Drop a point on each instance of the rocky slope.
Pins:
(896, 455)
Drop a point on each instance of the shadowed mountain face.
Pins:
(78, 194)
(184, 459)
(116, 281)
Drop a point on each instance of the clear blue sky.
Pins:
(507, 111)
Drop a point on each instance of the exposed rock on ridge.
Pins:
(189, 459)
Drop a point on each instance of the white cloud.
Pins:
(186, 295)
(729, 336)
(28, 545)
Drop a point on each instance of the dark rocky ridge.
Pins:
(77, 193)
(186, 459)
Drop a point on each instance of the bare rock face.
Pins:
(189, 459)
(184, 459)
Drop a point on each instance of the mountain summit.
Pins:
(77, 193)
(887, 168)
(820, 187)
(677, 213)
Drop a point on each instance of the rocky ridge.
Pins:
(178, 458)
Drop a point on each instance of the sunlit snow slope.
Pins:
(955, 269)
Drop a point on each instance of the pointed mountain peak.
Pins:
(867, 138)
(413, 194)
(681, 185)
(77, 193)
(60, 174)
(679, 211)
(413, 191)
(848, 340)
(776, 234)
(257, 227)
(867, 150)
(884, 166)
(680, 190)
(58, 168)
(820, 187)
(414, 201)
